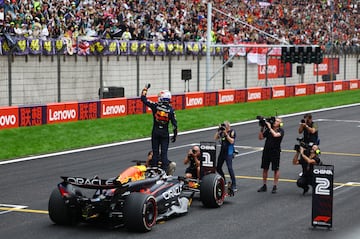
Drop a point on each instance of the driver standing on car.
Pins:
(163, 113)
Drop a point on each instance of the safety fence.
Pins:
(23, 116)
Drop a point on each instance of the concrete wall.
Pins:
(47, 79)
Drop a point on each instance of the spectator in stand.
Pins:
(295, 22)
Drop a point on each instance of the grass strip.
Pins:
(35, 140)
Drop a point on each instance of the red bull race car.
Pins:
(136, 199)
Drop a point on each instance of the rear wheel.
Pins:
(212, 190)
(59, 212)
(140, 212)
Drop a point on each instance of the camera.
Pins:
(222, 127)
(302, 121)
(221, 130)
(193, 151)
(263, 120)
(301, 143)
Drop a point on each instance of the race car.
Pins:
(136, 199)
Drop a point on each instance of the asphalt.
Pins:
(26, 184)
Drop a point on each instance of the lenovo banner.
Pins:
(322, 197)
(254, 94)
(278, 91)
(320, 88)
(300, 90)
(328, 66)
(113, 107)
(194, 100)
(337, 86)
(62, 112)
(275, 69)
(226, 97)
(354, 84)
(9, 117)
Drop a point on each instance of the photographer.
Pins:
(273, 133)
(226, 136)
(193, 159)
(309, 129)
(163, 114)
(308, 158)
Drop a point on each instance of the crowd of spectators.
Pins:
(321, 22)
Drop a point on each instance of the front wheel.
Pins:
(140, 212)
(212, 190)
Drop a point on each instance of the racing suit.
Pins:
(163, 113)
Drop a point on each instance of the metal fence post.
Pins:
(9, 75)
(58, 77)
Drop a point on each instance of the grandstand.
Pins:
(310, 22)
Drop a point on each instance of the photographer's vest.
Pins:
(226, 147)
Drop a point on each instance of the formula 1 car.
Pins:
(136, 199)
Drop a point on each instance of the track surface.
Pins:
(26, 186)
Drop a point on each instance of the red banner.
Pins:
(62, 112)
(254, 94)
(194, 100)
(226, 97)
(320, 88)
(88, 110)
(278, 91)
(300, 90)
(9, 117)
(337, 86)
(31, 116)
(275, 69)
(328, 66)
(113, 107)
(354, 84)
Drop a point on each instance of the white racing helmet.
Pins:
(164, 96)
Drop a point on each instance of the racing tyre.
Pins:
(140, 212)
(212, 190)
(59, 212)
